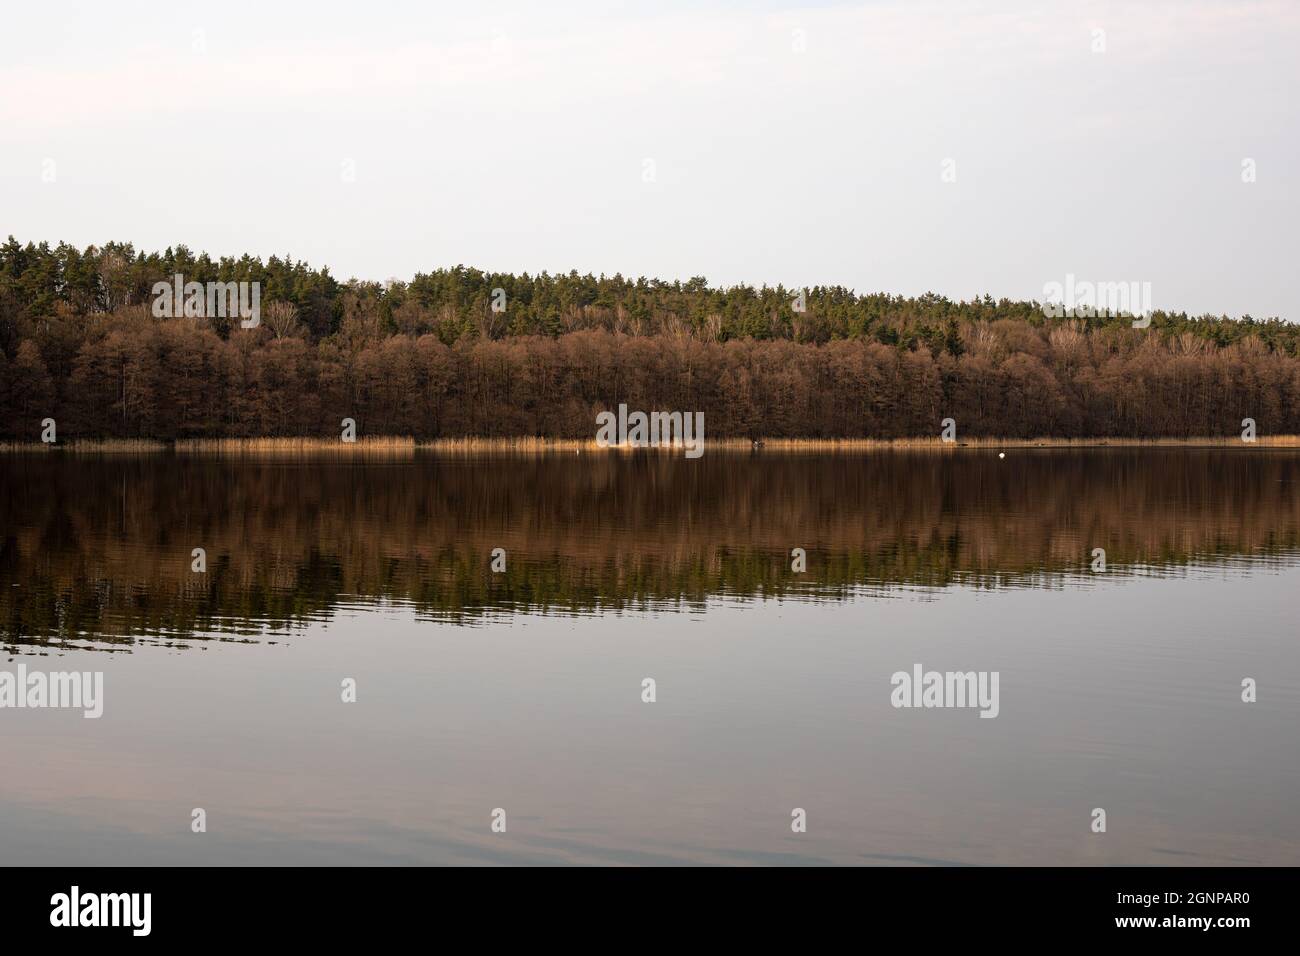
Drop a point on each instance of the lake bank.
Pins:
(406, 445)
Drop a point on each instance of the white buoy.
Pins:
(1002, 454)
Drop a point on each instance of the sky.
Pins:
(964, 148)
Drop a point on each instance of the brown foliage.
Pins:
(133, 376)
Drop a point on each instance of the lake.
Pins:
(511, 689)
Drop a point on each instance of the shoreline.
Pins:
(407, 446)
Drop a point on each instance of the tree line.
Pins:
(434, 358)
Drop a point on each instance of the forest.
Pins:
(432, 358)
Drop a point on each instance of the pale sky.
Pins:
(757, 142)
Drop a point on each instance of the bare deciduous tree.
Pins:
(281, 318)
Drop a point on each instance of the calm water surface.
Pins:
(522, 690)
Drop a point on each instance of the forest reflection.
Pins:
(96, 551)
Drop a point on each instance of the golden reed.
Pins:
(407, 446)
(378, 447)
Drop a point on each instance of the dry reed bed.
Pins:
(112, 446)
(407, 446)
(378, 447)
